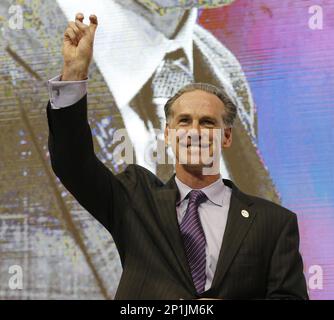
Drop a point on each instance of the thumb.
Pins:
(93, 22)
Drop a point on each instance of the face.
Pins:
(195, 129)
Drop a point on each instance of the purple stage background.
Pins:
(290, 68)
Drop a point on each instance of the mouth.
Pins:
(195, 145)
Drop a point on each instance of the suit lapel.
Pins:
(166, 198)
(236, 229)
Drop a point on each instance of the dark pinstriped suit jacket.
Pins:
(259, 257)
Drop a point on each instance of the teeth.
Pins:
(195, 145)
(198, 145)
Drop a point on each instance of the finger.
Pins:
(79, 16)
(81, 26)
(93, 22)
(69, 34)
(76, 30)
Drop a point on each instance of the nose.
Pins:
(195, 126)
(194, 134)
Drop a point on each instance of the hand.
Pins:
(78, 48)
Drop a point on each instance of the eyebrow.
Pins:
(183, 115)
(208, 118)
(201, 118)
(204, 118)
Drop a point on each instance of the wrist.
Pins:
(72, 74)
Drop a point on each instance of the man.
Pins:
(156, 54)
(197, 236)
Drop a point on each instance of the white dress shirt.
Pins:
(213, 215)
(127, 50)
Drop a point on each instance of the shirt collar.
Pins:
(127, 48)
(214, 191)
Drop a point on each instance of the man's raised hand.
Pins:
(78, 48)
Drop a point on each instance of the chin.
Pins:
(193, 167)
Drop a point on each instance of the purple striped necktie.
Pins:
(194, 239)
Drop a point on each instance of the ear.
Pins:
(227, 138)
(166, 134)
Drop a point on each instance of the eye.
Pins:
(183, 120)
(208, 122)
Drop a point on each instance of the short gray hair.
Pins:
(230, 107)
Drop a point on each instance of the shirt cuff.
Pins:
(63, 94)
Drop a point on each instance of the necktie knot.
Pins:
(197, 197)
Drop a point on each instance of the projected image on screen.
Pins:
(144, 52)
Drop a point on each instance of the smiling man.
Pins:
(198, 235)
(199, 118)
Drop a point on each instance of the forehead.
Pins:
(198, 101)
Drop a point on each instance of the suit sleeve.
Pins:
(74, 162)
(286, 279)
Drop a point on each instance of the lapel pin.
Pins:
(245, 213)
